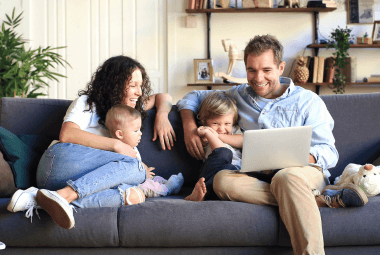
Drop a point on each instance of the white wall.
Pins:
(93, 31)
(154, 32)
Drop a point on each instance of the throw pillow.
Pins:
(7, 183)
(22, 159)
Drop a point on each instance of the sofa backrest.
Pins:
(356, 129)
(37, 122)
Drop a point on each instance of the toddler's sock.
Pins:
(174, 184)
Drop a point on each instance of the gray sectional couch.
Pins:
(172, 225)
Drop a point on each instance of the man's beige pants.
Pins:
(291, 190)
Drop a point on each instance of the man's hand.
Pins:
(194, 144)
(192, 140)
(312, 159)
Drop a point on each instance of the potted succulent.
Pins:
(22, 71)
(340, 41)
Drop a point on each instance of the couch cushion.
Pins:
(94, 227)
(356, 141)
(178, 223)
(7, 183)
(346, 226)
(22, 160)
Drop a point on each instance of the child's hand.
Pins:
(149, 172)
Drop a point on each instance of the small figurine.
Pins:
(292, 4)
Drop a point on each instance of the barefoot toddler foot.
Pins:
(199, 191)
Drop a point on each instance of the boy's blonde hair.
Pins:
(217, 104)
(118, 115)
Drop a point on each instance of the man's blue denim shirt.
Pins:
(296, 107)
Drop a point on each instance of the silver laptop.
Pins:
(277, 148)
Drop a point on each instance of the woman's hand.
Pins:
(164, 131)
(125, 149)
(162, 127)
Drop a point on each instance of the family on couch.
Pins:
(89, 168)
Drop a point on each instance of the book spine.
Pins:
(321, 71)
(191, 4)
(315, 70)
(239, 4)
(311, 70)
(329, 70)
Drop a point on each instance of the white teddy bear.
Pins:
(367, 177)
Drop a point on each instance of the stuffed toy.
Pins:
(367, 177)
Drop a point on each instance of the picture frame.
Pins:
(360, 11)
(203, 71)
(376, 32)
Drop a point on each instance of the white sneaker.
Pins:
(24, 200)
(57, 207)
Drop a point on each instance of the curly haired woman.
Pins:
(86, 166)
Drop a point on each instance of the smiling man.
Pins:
(270, 101)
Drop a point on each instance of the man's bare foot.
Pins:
(199, 191)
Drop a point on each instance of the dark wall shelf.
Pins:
(233, 10)
(318, 46)
(210, 85)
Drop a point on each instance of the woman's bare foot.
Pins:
(199, 191)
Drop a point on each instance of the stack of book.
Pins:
(213, 4)
(322, 70)
(329, 3)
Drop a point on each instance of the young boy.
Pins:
(218, 114)
(124, 123)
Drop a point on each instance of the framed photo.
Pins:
(360, 11)
(376, 32)
(203, 71)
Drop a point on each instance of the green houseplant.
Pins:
(23, 72)
(340, 41)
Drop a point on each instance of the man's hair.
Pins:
(217, 104)
(118, 115)
(260, 44)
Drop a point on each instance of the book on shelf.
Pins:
(197, 2)
(374, 78)
(321, 70)
(329, 3)
(329, 70)
(315, 70)
(311, 70)
(205, 4)
(201, 4)
(191, 4)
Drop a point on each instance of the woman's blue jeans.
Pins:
(99, 177)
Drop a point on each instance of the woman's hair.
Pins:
(260, 44)
(217, 104)
(108, 85)
(118, 115)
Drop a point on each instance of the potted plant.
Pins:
(340, 41)
(22, 72)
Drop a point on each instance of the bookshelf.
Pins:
(208, 12)
(315, 46)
